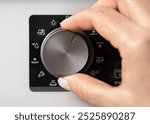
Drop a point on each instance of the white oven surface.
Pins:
(14, 51)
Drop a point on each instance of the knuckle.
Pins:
(104, 9)
(101, 10)
(143, 38)
(140, 39)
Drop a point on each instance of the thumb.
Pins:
(91, 90)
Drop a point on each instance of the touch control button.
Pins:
(64, 53)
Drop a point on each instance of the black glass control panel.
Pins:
(96, 56)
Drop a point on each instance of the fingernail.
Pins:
(64, 21)
(63, 83)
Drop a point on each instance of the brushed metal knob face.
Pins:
(64, 53)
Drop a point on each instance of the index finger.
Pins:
(77, 22)
(108, 22)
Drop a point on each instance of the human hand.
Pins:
(126, 24)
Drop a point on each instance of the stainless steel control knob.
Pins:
(65, 53)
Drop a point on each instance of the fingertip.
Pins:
(69, 24)
(64, 23)
(63, 83)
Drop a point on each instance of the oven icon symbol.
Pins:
(53, 83)
(41, 32)
(117, 73)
